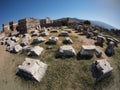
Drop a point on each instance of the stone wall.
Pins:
(28, 24)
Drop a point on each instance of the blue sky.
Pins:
(107, 11)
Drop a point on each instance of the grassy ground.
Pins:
(117, 58)
(62, 73)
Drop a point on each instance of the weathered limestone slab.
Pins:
(26, 49)
(44, 33)
(52, 40)
(64, 33)
(101, 69)
(68, 40)
(17, 48)
(33, 69)
(38, 40)
(54, 31)
(36, 51)
(87, 50)
(110, 49)
(66, 51)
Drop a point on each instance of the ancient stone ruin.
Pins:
(87, 51)
(36, 51)
(52, 40)
(32, 69)
(68, 40)
(38, 40)
(101, 69)
(65, 51)
(110, 49)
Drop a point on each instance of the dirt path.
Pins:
(8, 67)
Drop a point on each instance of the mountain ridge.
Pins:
(93, 22)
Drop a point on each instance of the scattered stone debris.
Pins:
(87, 51)
(52, 40)
(32, 69)
(98, 52)
(30, 31)
(54, 31)
(36, 51)
(49, 47)
(9, 42)
(26, 49)
(35, 33)
(14, 33)
(116, 42)
(64, 27)
(101, 69)
(64, 33)
(95, 33)
(78, 28)
(44, 34)
(15, 39)
(38, 40)
(10, 47)
(84, 32)
(100, 40)
(17, 48)
(35, 69)
(49, 28)
(27, 36)
(65, 51)
(89, 35)
(14, 48)
(68, 40)
(43, 30)
(68, 30)
(2, 42)
(109, 40)
(26, 40)
(110, 49)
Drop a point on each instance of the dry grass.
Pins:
(62, 73)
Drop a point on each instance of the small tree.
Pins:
(87, 22)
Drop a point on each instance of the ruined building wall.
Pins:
(46, 22)
(28, 24)
(13, 25)
(6, 29)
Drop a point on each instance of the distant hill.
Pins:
(98, 23)
(70, 20)
(102, 24)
